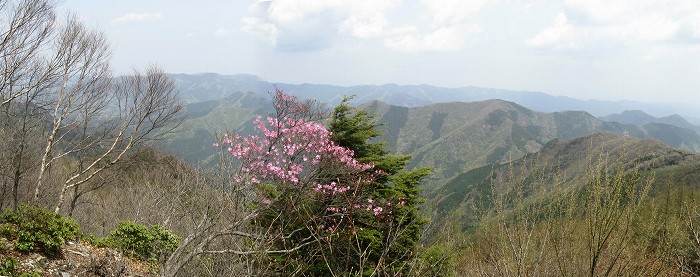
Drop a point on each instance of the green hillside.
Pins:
(449, 137)
(193, 141)
(457, 137)
(569, 161)
(599, 203)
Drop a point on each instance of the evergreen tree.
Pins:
(368, 224)
(389, 244)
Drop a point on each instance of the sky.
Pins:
(645, 50)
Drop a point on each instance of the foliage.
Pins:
(37, 229)
(390, 243)
(438, 261)
(8, 266)
(136, 240)
(605, 224)
(330, 206)
(292, 157)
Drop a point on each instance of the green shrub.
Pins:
(97, 241)
(8, 266)
(139, 241)
(437, 261)
(30, 274)
(37, 229)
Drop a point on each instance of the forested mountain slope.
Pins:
(454, 137)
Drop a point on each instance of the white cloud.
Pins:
(365, 27)
(401, 30)
(454, 11)
(313, 24)
(293, 11)
(449, 30)
(559, 35)
(621, 24)
(366, 18)
(605, 11)
(300, 22)
(360, 18)
(442, 39)
(265, 30)
(137, 17)
(651, 28)
(288, 24)
(646, 20)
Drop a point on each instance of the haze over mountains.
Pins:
(640, 117)
(210, 86)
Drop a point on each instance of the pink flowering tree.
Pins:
(297, 201)
(305, 186)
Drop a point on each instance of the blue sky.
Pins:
(646, 50)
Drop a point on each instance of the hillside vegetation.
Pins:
(475, 134)
(596, 205)
(481, 150)
(449, 137)
(568, 162)
(104, 175)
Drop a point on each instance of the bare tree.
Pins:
(20, 132)
(57, 94)
(536, 225)
(79, 96)
(145, 107)
(26, 31)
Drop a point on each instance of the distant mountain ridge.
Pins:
(193, 140)
(455, 137)
(640, 117)
(450, 137)
(210, 86)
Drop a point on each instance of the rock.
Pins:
(110, 264)
(5, 244)
(81, 259)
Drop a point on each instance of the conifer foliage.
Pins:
(389, 245)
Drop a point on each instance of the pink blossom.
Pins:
(377, 210)
(290, 151)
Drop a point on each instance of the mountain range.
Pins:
(452, 138)
(640, 117)
(455, 137)
(211, 86)
(469, 140)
